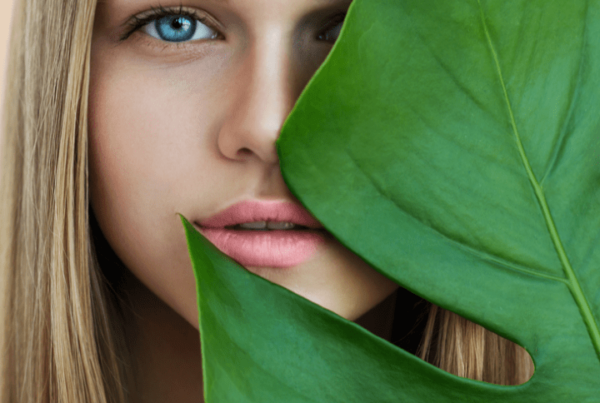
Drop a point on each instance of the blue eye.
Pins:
(179, 28)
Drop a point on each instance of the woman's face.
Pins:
(184, 114)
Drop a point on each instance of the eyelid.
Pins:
(138, 21)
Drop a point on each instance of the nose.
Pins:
(262, 98)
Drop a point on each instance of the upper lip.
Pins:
(258, 210)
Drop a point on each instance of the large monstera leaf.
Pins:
(455, 146)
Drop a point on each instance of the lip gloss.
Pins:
(270, 248)
(278, 248)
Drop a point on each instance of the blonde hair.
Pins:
(59, 340)
(62, 340)
(466, 349)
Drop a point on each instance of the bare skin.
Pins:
(190, 128)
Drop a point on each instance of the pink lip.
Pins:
(277, 248)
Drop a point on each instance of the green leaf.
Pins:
(262, 343)
(453, 145)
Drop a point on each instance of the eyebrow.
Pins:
(101, 3)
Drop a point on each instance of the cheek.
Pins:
(149, 141)
(154, 154)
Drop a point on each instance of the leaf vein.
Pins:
(468, 249)
(573, 282)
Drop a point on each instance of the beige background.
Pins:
(5, 17)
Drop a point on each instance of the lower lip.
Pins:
(278, 248)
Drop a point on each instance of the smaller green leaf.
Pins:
(263, 343)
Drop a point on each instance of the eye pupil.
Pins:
(177, 24)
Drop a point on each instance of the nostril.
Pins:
(244, 151)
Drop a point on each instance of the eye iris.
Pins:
(176, 28)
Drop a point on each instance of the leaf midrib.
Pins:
(573, 282)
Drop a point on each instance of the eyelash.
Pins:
(156, 13)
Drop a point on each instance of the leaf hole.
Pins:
(447, 340)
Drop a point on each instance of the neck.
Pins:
(163, 346)
(165, 351)
(380, 319)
